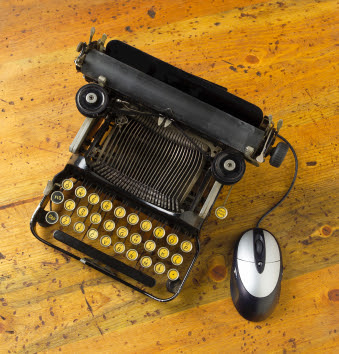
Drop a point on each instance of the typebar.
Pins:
(104, 258)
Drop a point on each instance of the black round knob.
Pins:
(92, 100)
(278, 154)
(228, 167)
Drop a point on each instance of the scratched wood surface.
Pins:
(279, 55)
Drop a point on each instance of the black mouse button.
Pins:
(272, 248)
(259, 247)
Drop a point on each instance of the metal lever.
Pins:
(91, 34)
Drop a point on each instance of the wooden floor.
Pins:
(280, 55)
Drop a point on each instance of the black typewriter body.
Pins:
(151, 157)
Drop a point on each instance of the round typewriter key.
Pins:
(146, 261)
(119, 247)
(122, 231)
(106, 205)
(186, 246)
(221, 212)
(93, 198)
(149, 246)
(69, 204)
(135, 239)
(80, 192)
(92, 234)
(82, 211)
(177, 259)
(67, 184)
(109, 225)
(95, 218)
(159, 232)
(163, 252)
(79, 227)
(145, 225)
(52, 217)
(132, 254)
(172, 239)
(57, 197)
(105, 241)
(159, 268)
(133, 219)
(172, 274)
(65, 220)
(119, 212)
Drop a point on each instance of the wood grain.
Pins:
(280, 55)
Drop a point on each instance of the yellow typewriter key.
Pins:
(146, 261)
(67, 184)
(159, 268)
(149, 246)
(133, 219)
(132, 254)
(159, 232)
(135, 239)
(82, 211)
(109, 225)
(80, 192)
(105, 241)
(92, 234)
(186, 246)
(106, 205)
(65, 220)
(172, 274)
(163, 252)
(145, 225)
(177, 259)
(93, 198)
(119, 247)
(69, 204)
(122, 231)
(57, 197)
(95, 218)
(221, 212)
(119, 212)
(172, 239)
(52, 217)
(79, 227)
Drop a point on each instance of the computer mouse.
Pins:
(256, 274)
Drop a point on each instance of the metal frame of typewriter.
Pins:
(213, 121)
(75, 163)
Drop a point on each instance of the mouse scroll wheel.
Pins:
(259, 247)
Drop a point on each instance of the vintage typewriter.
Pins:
(151, 157)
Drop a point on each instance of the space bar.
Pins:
(104, 258)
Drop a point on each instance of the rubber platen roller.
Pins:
(200, 116)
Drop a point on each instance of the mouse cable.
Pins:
(292, 183)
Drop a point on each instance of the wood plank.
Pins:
(279, 55)
(307, 302)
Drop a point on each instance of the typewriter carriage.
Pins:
(139, 77)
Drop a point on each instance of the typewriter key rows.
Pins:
(106, 223)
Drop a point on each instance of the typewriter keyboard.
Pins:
(108, 230)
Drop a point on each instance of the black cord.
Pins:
(292, 183)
